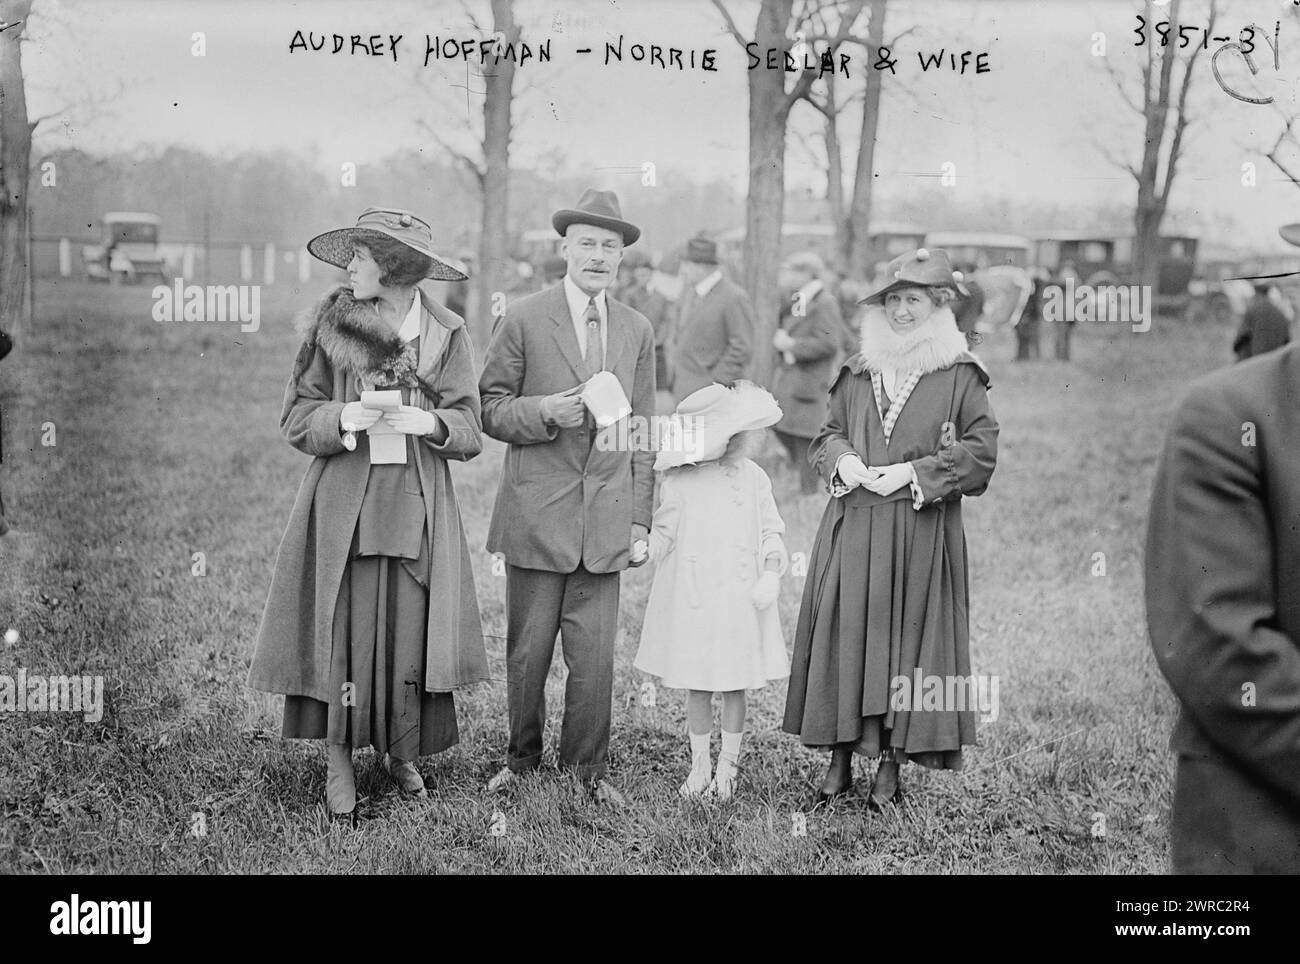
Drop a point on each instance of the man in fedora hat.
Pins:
(570, 515)
(714, 337)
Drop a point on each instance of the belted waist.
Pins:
(863, 498)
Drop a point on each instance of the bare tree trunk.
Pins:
(855, 232)
(834, 173)
(1158, 99)
(15, 164)
(769, 110)
(494, 265)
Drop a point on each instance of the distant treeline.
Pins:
(286, 198)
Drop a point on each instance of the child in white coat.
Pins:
(711, 622)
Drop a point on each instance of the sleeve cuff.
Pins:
(327, 433)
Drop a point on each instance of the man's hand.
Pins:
(640, 545)
(891, 478)
(355, 417)
(411, 420)
(564, 409)
(781, 340)
(853, 472)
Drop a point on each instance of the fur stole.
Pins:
(356, 339)
(935, 345)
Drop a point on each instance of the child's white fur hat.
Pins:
(706, 420)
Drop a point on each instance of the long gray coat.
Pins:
(294, 641)
(562, 499)
(1222, 571)
(802, 387)
(713, 340)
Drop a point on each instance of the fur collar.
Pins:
(935, 345)
(356, 339)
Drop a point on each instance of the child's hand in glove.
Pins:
(765, 590)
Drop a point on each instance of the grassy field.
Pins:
(166, 445)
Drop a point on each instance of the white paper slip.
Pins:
(387, 445)
(604, 397)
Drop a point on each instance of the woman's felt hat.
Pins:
(922, 268)
(705, 421)
(335, 247)
(599, 208)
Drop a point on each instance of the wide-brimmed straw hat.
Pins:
(335, 247)
(922, 268)
(706, 420)
(600, 208)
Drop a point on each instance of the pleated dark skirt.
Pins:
(886, 596)
(380, 630)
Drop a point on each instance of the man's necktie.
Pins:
(595, 356)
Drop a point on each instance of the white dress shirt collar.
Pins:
(579, 299)
(410, 329)
(706, 284)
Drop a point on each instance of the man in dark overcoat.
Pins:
(1222, 570)
(807, 341)
(713, 340)
(1263, 327)
(572, 510)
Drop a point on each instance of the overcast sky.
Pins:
(1037, 124)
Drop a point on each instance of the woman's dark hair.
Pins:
(399, 266)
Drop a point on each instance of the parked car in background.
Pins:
(1101, 258)
(128, 250)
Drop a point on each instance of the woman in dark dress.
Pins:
(909, 432)
(372, 618)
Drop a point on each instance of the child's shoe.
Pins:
(697, 781)
(724, 780)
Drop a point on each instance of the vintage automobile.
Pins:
(982, 249)
(1102, 258)
(129, 250)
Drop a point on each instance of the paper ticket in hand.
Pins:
(603, 395)
(387, 445)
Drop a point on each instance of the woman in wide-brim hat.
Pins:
(372, 619)
(909, 433)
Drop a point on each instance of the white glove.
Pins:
(853, 472)
(765, 590)
(891, 478)
(355, 417)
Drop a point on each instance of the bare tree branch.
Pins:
(1120, 88)
(803, 85)
(731, 24)
(472, 164)
(1183, 119)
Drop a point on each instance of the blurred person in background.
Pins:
(808, 339)
(1063, 328)
(553, 269)
(1027, 347)
(641, 294)
(1263, 327)
(969, 308)
(6, 346)
(713, 338)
